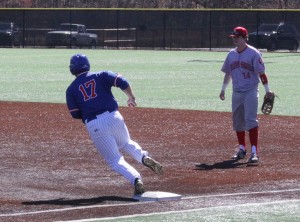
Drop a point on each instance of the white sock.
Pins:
(253, 149)
(241, 147)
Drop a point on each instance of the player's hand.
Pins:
(131, 102)
(269, 94)
(222, 95)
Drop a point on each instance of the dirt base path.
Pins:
(51, 171)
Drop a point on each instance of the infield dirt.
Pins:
(49, 164)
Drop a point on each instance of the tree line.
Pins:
(189, 4)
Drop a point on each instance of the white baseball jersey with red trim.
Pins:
(244, 68)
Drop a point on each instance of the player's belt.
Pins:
(89, 119)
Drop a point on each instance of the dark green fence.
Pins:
(136, 28)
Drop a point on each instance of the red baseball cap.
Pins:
(239, 31)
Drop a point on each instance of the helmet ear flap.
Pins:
(72, 70)
(79, 63)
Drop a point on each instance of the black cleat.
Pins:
(153, 165)
(239, 155)
(254, 159)
(138, 187)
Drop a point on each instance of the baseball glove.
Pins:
(268, 103)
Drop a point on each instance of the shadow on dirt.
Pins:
(80, 202)
(227, 164)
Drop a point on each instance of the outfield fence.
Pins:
(146, 28)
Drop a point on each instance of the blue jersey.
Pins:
(90, 94)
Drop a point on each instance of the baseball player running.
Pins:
(89, 98)
(244, 65)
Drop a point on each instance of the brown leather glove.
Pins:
(268, 103)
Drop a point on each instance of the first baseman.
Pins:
(244, 65)
(89, 98)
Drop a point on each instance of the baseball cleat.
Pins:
(254, 158)
(239, 155)
(138, 187)
(153, 165)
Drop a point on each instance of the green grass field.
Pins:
(274, 211)
(160, 79)
(163, 79)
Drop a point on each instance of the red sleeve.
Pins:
(263, 78)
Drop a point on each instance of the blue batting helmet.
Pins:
(79, 63)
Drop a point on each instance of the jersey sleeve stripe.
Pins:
(115, 82)
(73, 110)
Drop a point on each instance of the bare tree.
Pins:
(246, 4)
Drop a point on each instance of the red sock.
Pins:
(241, 138)
(253, 136)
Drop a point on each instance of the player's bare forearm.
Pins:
(226, 82)
(131, 98)
(129, 92)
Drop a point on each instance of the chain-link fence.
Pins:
(144, 28)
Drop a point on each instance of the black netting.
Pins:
(167, 29)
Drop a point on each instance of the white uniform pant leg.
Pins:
(238, 112)
(102, 133)
(251, 107)
(134, 149)
(244, 110)
(125, 143)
